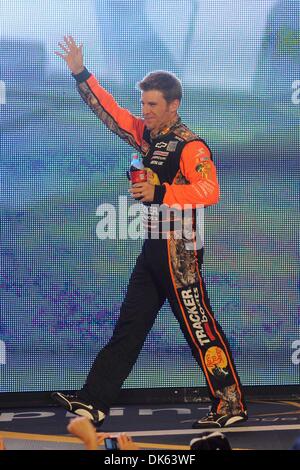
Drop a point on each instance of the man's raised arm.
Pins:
(118, 120)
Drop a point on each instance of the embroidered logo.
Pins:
(161, 145)
(161, 153)
(172, 145)
(204, 168)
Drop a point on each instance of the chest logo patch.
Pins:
(161, 145)
(160, 153)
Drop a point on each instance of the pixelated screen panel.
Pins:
(61, 287)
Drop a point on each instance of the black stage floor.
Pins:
(272, 425)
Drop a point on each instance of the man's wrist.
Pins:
(82, 76)
(159, 194)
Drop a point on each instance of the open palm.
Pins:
(73, 55)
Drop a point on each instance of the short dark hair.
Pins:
(165, 82)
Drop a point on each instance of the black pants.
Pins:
(166, 270)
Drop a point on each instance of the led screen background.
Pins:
(60, 286)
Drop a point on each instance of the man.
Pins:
(180, 171)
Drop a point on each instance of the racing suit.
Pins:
(180, 165)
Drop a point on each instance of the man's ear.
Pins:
(174, 105)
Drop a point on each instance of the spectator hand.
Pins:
(2, 446)
(83, 429)
(126, 443)
(100, 437)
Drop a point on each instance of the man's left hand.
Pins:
(144, 192)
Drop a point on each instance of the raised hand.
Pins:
(73, 54)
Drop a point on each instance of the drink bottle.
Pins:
(138, 173)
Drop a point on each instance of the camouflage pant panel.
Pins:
(211, 348)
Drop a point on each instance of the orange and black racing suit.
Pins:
(180, 165)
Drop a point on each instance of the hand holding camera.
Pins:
(120, 442)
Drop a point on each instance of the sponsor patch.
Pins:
(204, 317)
(201, 151)
(159, 157)
(204, 168)
(216, 362)
(161, 145)
(161, 153)
(185, 133)
(172, 145)
(196, 314)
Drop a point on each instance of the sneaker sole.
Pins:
(61, 400)
(220, 423)
(58, 397)
(234, 420)
(214, 425)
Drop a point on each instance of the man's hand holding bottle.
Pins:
(140, 189)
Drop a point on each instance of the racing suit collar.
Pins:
(166, 128)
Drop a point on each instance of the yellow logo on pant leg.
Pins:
(215, 360)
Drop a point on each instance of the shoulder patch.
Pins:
(185, 133)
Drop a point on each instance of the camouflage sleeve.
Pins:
(117, 119)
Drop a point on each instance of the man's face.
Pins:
(156, 111)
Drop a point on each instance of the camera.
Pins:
(111, 443)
